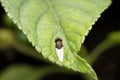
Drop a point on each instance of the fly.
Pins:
(59, 49)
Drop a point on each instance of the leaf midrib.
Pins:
(49, 3)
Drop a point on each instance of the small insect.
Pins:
(59, 49)
(58, 42)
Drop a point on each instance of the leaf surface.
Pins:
(45, 20)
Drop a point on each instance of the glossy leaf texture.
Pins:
(45, 20)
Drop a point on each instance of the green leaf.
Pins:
(20, 72)
(6, 38)
(45, 20)
(28, 72)
(112, 39)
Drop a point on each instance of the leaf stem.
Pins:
(27, 50)
(106, 44)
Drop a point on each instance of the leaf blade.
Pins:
(45, 20)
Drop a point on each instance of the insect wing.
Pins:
(60, 54)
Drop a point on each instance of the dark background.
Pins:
(107, 66)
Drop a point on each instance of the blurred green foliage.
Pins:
(8, 38)
(12, 37)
